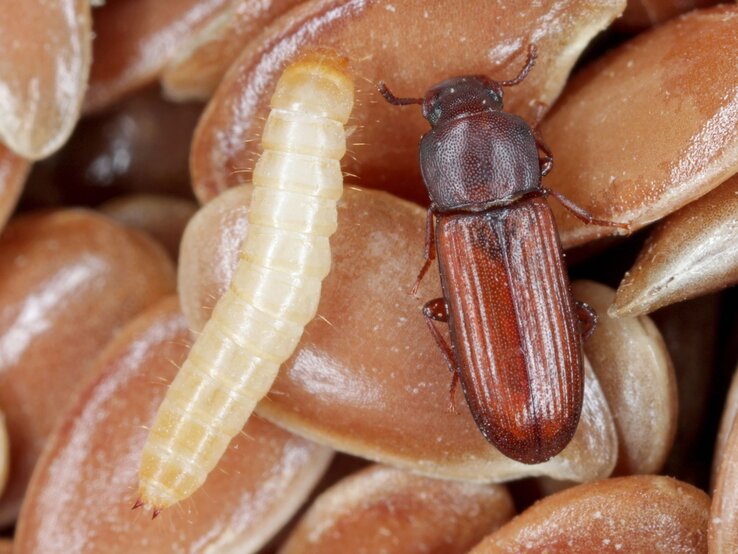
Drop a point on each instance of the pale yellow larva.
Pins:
(274, 292)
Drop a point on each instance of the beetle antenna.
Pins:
(530, 62)
(392, 99)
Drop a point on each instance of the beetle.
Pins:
(516, 332)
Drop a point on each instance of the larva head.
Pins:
(317, 84)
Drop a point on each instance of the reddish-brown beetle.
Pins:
(515, 328)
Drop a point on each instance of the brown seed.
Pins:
(4, 453)
(690, 331)
(135, 39)
(195, 72)
(641, 14)
(367, 378)
(689, 254)
(724, 509)
(730, 409)
(407, 45)
(660, 117)
(141, 145)
(81, 495)
(387, 510)
(636, 374)
(44, 67)
(13, 171)
(645, 513)
(162, 217)
(6, 546)
(68, 281)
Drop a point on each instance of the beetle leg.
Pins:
(547, 161)
(582, 214)
(540, 111)
(436, 310)
(452, 393)
(430, 251)
(587, 319)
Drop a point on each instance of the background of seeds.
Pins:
(141, 111)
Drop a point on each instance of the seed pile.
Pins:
(129, 186)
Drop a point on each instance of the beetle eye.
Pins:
(496, 94)
(435, 113)
(432, 109)
(494, 98)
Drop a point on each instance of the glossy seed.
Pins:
(488, 39)
(730, 409)
(45, 63)
(655, 141)
(83, 489)
(642, 14)
(690, 331)
(69, 280)
(201, 63)
(645, 513)
(128, 56)
(162, 217)
(690, 253)
(367, 378)
(381, 509)
(141, 145)
(4, 453)
(636, 373)
(724, 509)
(13, 171)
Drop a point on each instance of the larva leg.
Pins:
(436, 310)
(274, 292)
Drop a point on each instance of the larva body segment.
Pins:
(275, 290)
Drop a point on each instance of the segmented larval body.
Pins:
(274, 293)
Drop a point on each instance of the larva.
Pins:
(274, 292)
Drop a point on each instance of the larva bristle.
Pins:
(274, 293)
(137, 504)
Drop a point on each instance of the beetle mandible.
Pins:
(516, 332)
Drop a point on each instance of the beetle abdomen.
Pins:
(513, 326)
(274, 292)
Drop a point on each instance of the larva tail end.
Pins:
(155, 511)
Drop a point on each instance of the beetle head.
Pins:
(461, 95)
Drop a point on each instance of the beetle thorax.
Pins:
(479, 159)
